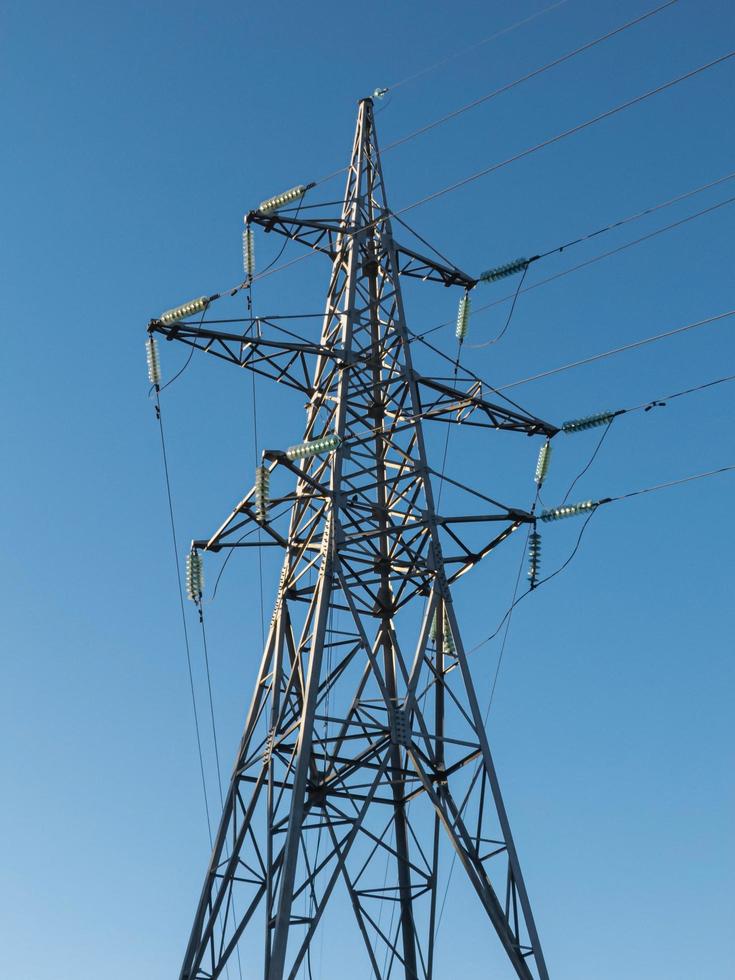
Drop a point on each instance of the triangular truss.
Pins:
(364, 744)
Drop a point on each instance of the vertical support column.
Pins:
(345, 264)
(400, 820)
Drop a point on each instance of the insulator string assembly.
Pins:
(186, 309)
(447, 638)
(463, 317)
(534, 558)
(262, 486)
(590, 421)
(543, 463)
(154, 366)
(571, 510)
(509, 269)
(194, 576)
(282, 200)
(248, 252)
(314, 447)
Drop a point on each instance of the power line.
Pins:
(569, 244)
(601, 256)
(660, 402)
(518, 156)
(183, 616)
(607, 500)
(477, 44)
(595, 258)
(501, 334)
(438, 64)
(231, 291)
(671, 483)
(527, 77)
(639, 214)
(567, 132)
(508, 86)
(590, 461)
(617, 350)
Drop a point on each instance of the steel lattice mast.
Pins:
(364, 748)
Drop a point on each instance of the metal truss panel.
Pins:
(364, 755)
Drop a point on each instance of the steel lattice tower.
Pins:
(364, 749)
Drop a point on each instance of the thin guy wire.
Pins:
(527, 77)
(183, 615)
(620, 248)
(188, 650)
(508, 86)
(521, 155)
(424, 71)
(191, 354)
(489, 343)
(618, 350)
(477, 44)
(603, 255)
(591, 460)
(568, 132)
(232, 550)
(658, 402)
(639, 214)
(558, 248)
(509, 611)
(233, 908)
(211, 706)
(671, 483)
(487, 713)
(607, 500)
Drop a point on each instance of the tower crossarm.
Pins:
(446, 403)
(325, 236)
(419, 266)
(285, 361)
(320, 235)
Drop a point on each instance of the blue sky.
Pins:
(136, 136)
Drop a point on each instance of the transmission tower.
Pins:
(364, 756)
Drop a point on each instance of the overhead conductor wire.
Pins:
(618, 350)
(593, 511)
(188, 654)
(591, 261)
(472, 47)
(579, 127)
(183, 614)
(527, 77)
(508, 86)
(550, 141)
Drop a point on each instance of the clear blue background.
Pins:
(135, 136)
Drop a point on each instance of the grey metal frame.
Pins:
(346, 732)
